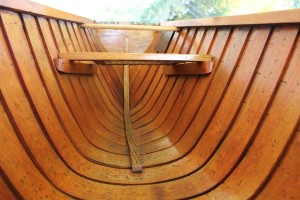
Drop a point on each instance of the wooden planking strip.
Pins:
(90, 40)
(143, 87)
(73, 37)
(79, 37)
(98, 46)
(130, 27)
(287, 171)
(163, 42)
(7, 189)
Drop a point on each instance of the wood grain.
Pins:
(189, 68)
(107, 58)
(233, 133)
(130, 27)
(68, 66)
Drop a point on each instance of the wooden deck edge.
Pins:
(274, 17)
(32, 8)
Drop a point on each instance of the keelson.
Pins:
(210, 111)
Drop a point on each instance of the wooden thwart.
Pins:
(130, 27)
(175, 64)
(138, 58)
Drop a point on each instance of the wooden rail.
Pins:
(36, 9)
(130, 27)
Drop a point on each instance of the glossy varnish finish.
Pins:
(231, 134)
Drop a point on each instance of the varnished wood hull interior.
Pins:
(231, 134)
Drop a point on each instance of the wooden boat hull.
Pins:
(231, 134)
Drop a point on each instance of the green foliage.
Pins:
(162, 10)
(167, 10)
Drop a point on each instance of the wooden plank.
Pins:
(130, 27)
(181, 40)
(275, 17)
(136, 164)
(134, 58)
(6, 192)
(74, 67)
(73, 37)
(111, 56)
(135, 158)
(189, 40)
(284, 182)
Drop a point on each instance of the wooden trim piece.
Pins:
(275, 17)
(199, 68)
(135, 158)
(130, 27)
(32, 8)
(134, 58)
(73, 67)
